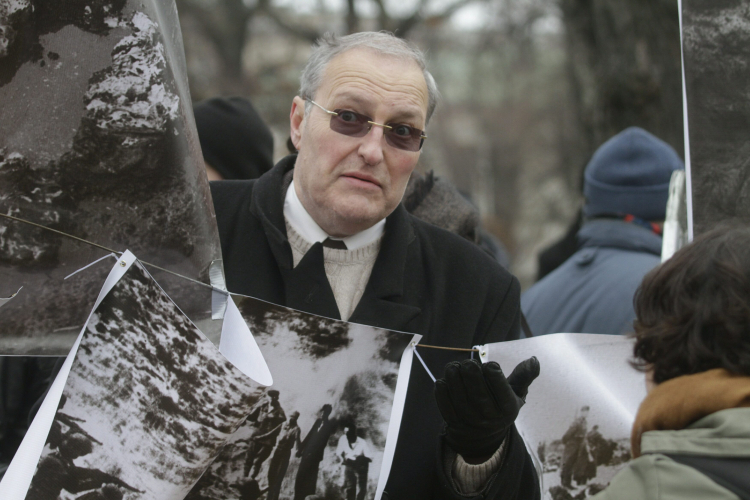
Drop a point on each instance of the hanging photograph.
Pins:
(578, 414)
(148, 404)
(322, 428)
(97, 140)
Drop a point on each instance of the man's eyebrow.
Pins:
(402, 114)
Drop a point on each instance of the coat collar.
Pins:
(380, 302)
(268, 206)
(613, 233)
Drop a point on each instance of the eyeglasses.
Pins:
(398, 135)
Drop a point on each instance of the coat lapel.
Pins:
(380, 304)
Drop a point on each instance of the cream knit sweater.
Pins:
(348, 271)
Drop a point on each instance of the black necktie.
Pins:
(337, 244)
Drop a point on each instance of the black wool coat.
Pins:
(425, 280)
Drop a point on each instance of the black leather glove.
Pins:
(479, 404)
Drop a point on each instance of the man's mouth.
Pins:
(362, 179)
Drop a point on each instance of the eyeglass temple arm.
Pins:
(324, 109)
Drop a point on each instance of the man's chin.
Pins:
(353, 219)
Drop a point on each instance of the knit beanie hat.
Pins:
(629, 174)
(234, 138)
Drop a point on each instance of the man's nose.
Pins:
(371, 148)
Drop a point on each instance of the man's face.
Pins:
(347, 184)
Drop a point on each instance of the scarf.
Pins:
(677, 403)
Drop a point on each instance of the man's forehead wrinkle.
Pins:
(368, 83)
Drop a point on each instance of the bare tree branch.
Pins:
(406, 25)
(352, 19)
(384, 20)
(303, 32)
(226, 28)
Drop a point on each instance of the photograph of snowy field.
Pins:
(97, 140)
(148, 405)
(321, 428)
(578, 414)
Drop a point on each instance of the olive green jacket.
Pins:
(653, 475)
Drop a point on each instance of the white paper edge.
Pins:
(686, 129)
(397, 411)
(17, 479)
(673, 236)
(238, 346)
(5, 300)
(484, 352)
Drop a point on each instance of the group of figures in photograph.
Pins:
(572, 463)
(268, 458)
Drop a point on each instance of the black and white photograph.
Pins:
(577, 419)
(716, 42)
(148, 404)
(320, 430)
(98, 141)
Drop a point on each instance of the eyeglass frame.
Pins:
(422, 135)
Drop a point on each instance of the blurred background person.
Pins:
(626, 185)
(236, 142)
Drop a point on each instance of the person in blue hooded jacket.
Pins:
(626, 186)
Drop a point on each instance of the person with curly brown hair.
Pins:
(691, 436)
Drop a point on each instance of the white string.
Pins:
(424, 365)
(89, 265)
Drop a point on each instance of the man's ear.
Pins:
(297, 120)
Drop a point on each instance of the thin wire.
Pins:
(448, 348)
(60, 233)
(110, 250)
(180, 275)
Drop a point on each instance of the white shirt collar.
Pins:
(305, 225)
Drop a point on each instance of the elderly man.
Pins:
(324, 232)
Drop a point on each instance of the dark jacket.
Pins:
(592, 292)
(425, 280)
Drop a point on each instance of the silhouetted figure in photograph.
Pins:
(601, 448)
(268, 417)
(356, 456)
(573, 440)
(311, 453)
(288, 439)
(57, 472)
(248, 489)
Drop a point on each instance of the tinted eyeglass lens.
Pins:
(349, 123)
(403, 137)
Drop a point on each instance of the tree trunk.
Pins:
(624, 65)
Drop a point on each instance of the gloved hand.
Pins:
(479, 404)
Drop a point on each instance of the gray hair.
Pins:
(330, 45)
